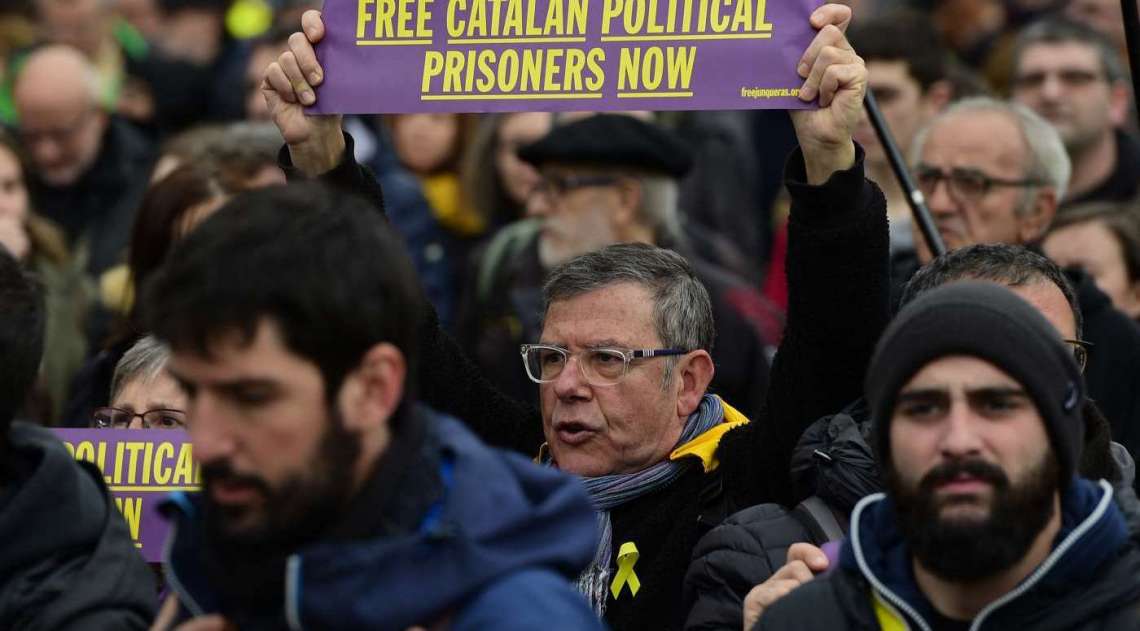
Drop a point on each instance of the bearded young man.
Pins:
(331, 499)
(985, 525)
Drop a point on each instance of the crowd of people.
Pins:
(629, 370)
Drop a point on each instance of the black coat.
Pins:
(67, 561)
(838, 306)
(100, 207)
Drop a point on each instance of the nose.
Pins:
(209, 432)
(537, 204)
(961, 438)
(136, 423)
(570, 383)
(1052, 88)
(46, 152)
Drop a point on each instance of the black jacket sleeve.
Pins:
(447, 379)
(838, 305)
(734, 557)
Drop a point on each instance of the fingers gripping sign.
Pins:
(837, 76)
(315, 141)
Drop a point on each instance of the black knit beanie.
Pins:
(987, 321)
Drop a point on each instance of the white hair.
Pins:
(1048, 160)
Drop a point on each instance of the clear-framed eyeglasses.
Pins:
(598, 366)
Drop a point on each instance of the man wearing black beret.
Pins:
(607, 178)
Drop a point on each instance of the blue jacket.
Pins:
(1090, 580)
(498, 550)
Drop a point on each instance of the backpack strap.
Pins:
(820, 520)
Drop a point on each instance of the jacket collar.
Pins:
(1092, 531)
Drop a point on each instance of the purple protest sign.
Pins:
(383, 56)
(141, 467)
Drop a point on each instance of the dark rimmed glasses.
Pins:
(965, 185)
(118, 418)
(555, 185)
(598, 366)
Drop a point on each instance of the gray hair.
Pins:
(682, 311)
(1048, 160)
(145, 360)
(660, 197)
(1056, 30)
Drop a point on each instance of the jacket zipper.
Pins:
(1025, 586)
(172, 578)
(882, 589)
(1051, 560)
(293, 592)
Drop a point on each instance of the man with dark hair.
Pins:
(70, 562)
(985, 523)
(908, 72)
(330, 498)
(1074, 78)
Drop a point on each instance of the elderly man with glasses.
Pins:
(995, 172)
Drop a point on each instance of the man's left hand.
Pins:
(838, 77)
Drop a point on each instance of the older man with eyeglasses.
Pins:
(995, 172)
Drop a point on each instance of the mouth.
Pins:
(963, 485)
(232, 493)
(573, 432)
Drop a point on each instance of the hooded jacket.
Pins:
(834, 461)
(497, 547)
(1090, 580)
(67, 561)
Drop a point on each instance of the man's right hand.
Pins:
(315, 142)
(804, 561)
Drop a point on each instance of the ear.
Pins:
(1034, 224)
(937, 97)
(629, 200)
(371, 393)
(1118, 102)
(1132, 308)
(694, 373)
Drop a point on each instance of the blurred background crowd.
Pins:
(126, 122)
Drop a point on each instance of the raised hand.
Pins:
(315, 141)
(838, 77)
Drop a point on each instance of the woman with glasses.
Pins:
(143, 394)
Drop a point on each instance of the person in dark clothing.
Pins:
(838, 254)
(91, 169)
(835, 464)
(985, 524)
(604, 179)
(331, 498)
(71, 563)
(1073, 77)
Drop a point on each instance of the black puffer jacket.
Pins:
(833, 460)
(67, 561)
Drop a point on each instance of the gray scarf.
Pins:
(610, 491)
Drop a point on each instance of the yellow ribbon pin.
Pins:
(627, 557)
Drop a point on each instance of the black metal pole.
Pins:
(1131, 17)
(913, 196)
